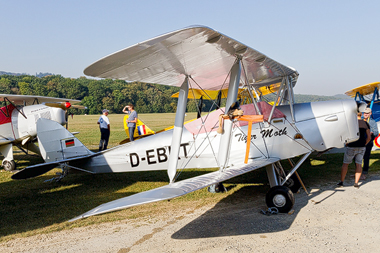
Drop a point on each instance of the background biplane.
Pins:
(369, 93)
(201, 58)
(18, 122)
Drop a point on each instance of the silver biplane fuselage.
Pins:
(322, 124)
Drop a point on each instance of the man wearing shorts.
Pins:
(356, 150)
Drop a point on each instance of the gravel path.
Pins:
(330, 219)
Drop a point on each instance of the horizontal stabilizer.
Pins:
(32, 171)
(177, 189)
(39, 169)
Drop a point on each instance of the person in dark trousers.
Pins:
(131, 121)
(356, 150)
(368, 148)
(105, 130)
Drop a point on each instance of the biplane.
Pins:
(18, 122)
(234, 139)
(369, 94)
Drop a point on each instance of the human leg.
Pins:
(358, 173)
(106, 138)
(102, 139)
(347, 159)
(366, 157)
(343, 171)
(131, 133)
(358, 162)
(101, 143)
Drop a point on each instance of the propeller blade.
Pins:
(63, 105)
(82, 107)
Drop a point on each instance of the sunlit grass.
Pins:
(90, 134)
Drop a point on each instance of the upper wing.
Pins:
(28, 99)
(200, 52)
(177, 189)
(213, 94)
(366, 89)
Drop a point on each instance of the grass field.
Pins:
(33, 206)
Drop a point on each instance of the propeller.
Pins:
(65, 105)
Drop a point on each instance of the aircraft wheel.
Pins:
(293, 183)
(280, 197)
(216, 188)
(9, 165)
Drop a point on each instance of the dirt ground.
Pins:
(330, 219)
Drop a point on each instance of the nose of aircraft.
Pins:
(361, 106)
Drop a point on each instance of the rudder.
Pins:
(56, 143)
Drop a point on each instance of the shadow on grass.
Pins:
(31, 204)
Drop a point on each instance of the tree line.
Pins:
(96, 95)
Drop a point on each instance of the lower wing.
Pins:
(177, 189)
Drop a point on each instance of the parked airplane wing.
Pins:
(177, 189)
(366, 89)
(198, 51)
(29, 99)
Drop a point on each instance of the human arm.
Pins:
(368, 132)
(134, 116)
(132, 121)
(125, 109)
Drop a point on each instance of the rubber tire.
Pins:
(9, 165)
(285, 194)
(293, 183)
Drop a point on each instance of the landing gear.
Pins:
(293, 183)
(280, 197)
(216, 188)
(9, 165)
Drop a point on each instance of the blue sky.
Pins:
(334, 45)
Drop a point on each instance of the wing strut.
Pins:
(233, 89)
(290, 96)
(178, 127)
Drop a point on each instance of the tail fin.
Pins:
(56, 143)
(141, 129)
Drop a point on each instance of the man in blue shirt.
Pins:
(131, 121)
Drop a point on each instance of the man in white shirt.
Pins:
(104, 125)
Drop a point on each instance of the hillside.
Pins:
(24, 74)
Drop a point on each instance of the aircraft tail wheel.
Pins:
(280, 197)
(293, 183)
(9, 165)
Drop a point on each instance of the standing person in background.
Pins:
(105, 130)
(374, 133)
(132, 120)
(356, 150)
